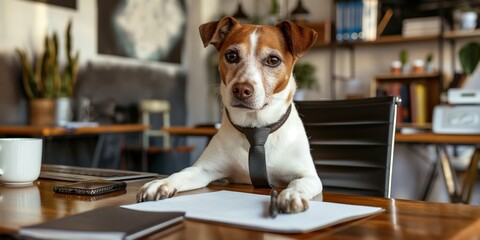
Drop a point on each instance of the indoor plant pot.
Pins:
(41, 111)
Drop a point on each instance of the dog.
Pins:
(257, 87)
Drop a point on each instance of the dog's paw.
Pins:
(291, 201)
(156, 190)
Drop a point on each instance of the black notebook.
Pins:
(104, 223)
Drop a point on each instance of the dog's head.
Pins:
(256, 62)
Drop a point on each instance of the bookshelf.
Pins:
(434, 82)
(419, 92)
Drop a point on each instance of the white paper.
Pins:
(251, 211)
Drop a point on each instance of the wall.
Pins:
(25, 24)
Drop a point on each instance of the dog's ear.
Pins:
(215, 32)
(299, 39)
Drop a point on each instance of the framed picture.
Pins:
(151, 30)
(61, 3)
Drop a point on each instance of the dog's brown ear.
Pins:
(300, 39)
(215, 32)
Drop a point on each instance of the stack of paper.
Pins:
(251, 211)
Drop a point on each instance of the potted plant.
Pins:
(469, 56)
(304, 74)
(43, 82)
(404, 61)
(68, 77)
(429, 63)
(40, 80)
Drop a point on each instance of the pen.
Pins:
(273, 203)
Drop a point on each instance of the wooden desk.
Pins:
(402, 219)
(48, 131)
(429, 137)
(457, 192)
(106, 134)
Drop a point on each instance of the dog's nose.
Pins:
(242, 91)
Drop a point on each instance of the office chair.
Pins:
(352, 143)
(149, 109)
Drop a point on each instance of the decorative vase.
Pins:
(42, 112)
(465, 20)
(63, 110)
(299, 95)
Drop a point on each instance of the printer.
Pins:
(461, 115)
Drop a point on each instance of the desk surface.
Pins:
(421, 137)
(429, 137)
(47, 131)
(402, 219)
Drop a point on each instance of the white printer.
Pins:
(461, 115)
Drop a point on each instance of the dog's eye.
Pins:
(272, 61)
(232, 56)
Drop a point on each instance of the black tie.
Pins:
(257, 137)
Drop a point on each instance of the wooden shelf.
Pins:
(395, 39)
(458, 34)
(391, 40)
(382, 41)
(390, 77)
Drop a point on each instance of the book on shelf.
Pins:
(422, 23)
(369, 19)
(405, 104)
(414, 107)
(418, 98)
(403, 109)
(356, 20)
(421, 32)
(104, 223)
(339, 21)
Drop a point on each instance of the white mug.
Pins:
(20, 160)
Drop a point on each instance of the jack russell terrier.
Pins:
(257, 88)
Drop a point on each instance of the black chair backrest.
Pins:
(352, 143)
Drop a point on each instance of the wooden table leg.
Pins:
(470, 176)
(449, 174)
